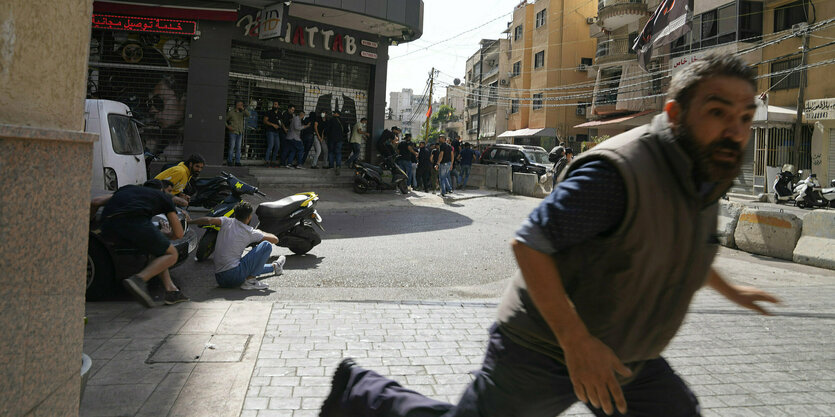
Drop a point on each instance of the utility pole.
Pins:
(798, 123)
(478, 102)
(429, 112)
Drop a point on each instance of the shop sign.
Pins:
(822, 109)
(677, 64)
(307, 35)
(272, 22)
(144, 24)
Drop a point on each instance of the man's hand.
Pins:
(591, 367)
(743, 296)
(748, 296)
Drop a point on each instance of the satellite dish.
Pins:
(457, 81)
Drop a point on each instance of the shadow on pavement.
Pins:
(385, 221)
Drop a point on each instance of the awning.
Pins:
(541, 132)
(616, 120)
(773, 114)
(182, 9)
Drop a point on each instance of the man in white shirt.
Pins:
(235, 235)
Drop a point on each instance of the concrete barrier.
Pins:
(768, 233)
(504, 177)
(726, 224)
(816, 246)
(491, 174)
(524, 184)
(478, 176)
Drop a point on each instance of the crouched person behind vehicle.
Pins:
(235, 235)
(127, 215)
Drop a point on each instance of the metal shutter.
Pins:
(310, 82)
(831, 171)
(149, 73)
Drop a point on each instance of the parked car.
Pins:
(118, 155)
(110, 260)
(521, 158)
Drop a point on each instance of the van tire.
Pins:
(101, 283)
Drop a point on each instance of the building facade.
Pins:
(485, 115)
(550, 49)
(408, 110)
(181, 68)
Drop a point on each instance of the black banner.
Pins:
(664, 26)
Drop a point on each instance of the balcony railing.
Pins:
(613, 50)
(613, 14)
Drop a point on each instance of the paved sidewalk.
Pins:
(258, 359)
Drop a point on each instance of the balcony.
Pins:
(613, 14)
(491, 73)
(613, 50)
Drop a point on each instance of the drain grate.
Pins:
(190, 348)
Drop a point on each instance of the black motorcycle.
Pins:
(783, 187)
(208, 192)
(370, 177)
(290, 219)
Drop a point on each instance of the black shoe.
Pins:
(237, 164)
(332, 407)
(174, 297)
(139, 289)
(314, 167)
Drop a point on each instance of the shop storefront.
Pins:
(181, 68)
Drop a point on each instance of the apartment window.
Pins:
(517, 33)
(609, 83)
(537, 101)
(790, 14)
(750, 21)
(517, 69)
(709, 28)
(494, 93)
(540, 18)
(514, 106)
(539, 59)
(784, 81)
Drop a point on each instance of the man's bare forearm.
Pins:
(547, 292)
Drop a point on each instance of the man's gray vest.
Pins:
(631, 288)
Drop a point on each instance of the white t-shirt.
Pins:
(233, 238)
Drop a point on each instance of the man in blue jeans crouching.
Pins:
(235, 235)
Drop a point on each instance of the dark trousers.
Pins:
(307, 141)
(282, 139)
(516, 381)
(335, 153)
(424, 178)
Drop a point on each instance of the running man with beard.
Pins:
(592, 328)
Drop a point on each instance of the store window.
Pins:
(149, 73)
(790, 14)
(539, 59)
(537, 101)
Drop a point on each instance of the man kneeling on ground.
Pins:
(235, 235)
(127, 214)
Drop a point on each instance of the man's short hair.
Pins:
(195, 158)
(393, 128)
(166, 184)
(154, 183)
(363, 119)
(713, 65)
(243, 210)
(239, 101)
(569, 151)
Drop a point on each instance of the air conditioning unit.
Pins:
(591, 20)
(503, 82)
(581, 111)
(799, 28)
(582, 67)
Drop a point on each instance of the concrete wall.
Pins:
(44, 194)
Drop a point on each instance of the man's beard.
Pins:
(705, 167)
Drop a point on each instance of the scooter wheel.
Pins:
(360, 187)
(206, 246)
(403, 187)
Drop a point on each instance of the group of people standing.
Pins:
(444, 165)
(293, 136)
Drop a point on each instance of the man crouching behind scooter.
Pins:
(235, 235)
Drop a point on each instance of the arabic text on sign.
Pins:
(144, 24)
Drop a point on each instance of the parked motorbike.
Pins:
(290, 219)
(783, 187)
(370, 177)
(828, 194)
(208, 192)
(809, 193)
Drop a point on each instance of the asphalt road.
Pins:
(387, 247)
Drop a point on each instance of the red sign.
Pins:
(144, 24)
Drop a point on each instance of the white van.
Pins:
(118, 155)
